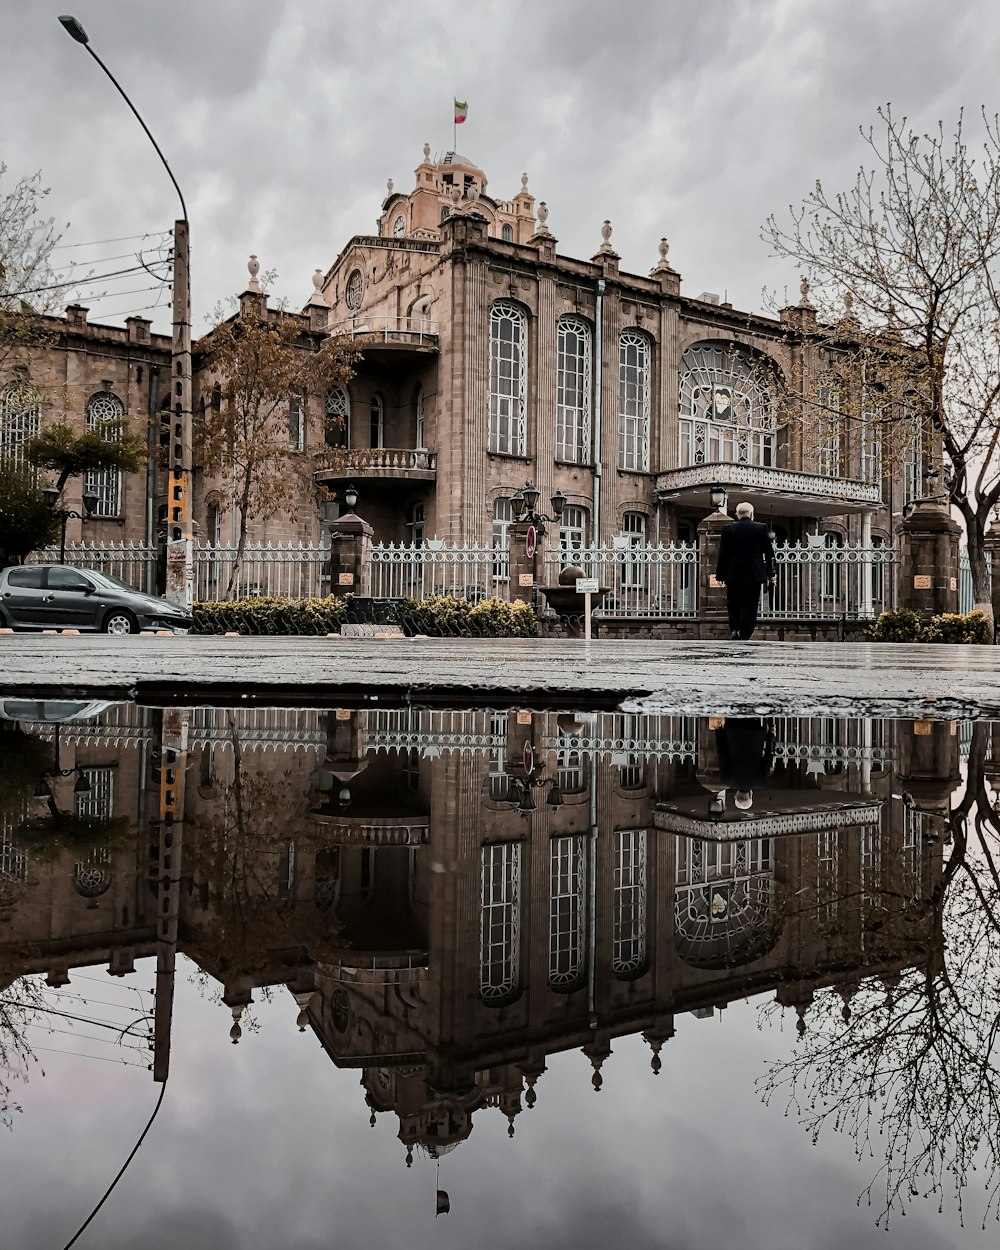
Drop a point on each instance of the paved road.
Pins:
(683, 677)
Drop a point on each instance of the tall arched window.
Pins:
(377, 421)
(573, 386)
(502, 517)
(499, 961)
(20, 421)
(296, 423)
(633, 401)
(830, 441)
(420, 427)
(726, 409)
(567, 882)
(628, 936)
(103, 409)
(337, 406)
(508, 379)
(724, 901)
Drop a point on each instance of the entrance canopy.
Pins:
(779, 490)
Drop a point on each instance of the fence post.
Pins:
(993, 554)
(350, 556)
(711, 596)
(521, 565)
(928, 560)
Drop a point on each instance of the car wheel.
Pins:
(118, 621)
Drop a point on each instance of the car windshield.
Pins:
(105, 579)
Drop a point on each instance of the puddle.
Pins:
(596, 978)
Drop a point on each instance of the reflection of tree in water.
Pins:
(910, 1068)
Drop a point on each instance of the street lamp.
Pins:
(351, 497)
(718, 497)
(90, 501)
(520, 797)
(523, 504)
(180, 531)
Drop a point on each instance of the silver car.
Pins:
(55, 596)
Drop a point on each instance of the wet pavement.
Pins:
(457, 976)
(690, 677)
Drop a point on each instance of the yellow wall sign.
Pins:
(922, 582)
(525, 579)
(922, 728)
(345, 579)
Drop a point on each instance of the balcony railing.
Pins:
(383, 462)
(406, 331)
(787, 482)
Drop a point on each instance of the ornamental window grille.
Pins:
(502, 518)
(573, 532)
(870, 433)
(573, 388)
(97, 803)
(508, 379)
(567, 881)
(632, 769)
(296, 423)
(326, 893)
(832, 570)
(723, 900)
(93, 876)
(499, 780)
(628, 936)
(420, 421)
(571, 767)
(633, 571)
(103, 410)
(878, 573)
(337, 406)
(827, 876)
(633, 401)
(377, 422)
(726, 413)
(355, 290)
(870, 866)
(913, 457)
(499, 959)
(911, 867)
(20, 421)
(830, 431)
(13, 861)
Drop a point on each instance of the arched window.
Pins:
(213, 524)
(507, 234)
(830, 441)
(726, 407)
(832, 570)
(508, 379)
(337, 407)
(724, 911)
(633, 401)
(628, 936)
(445, 212)
(217, 397)
(633, 569)
(571, 766)
(573, 387)
(103, 410)
(296, 423)
(499, 961)
(420, 435)
(377, 422)
(567, 882)
(502, 517)
(20, 421)
(416, 524)
(573, 534)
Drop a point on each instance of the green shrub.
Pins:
(953, 627)
(444, 616)
(902, 625)
(899, 625)
(272, 615)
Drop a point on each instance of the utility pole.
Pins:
(180, 528)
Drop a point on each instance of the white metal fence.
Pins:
(132, 563)
(293, 570)
(966, 598)
(821, 582)
(640, 580)
(413, 571)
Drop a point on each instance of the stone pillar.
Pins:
(928, 560)
(711, 596)
(866, 605)
(993, 551)
(522, 565)
(350, 559)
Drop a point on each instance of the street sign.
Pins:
(530, 542)
(587, 586)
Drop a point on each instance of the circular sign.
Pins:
(528, 758)
(530, 542)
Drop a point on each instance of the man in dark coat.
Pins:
(746, 756)
(746, 563)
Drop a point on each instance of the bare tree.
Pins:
(914, 245)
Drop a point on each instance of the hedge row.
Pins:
(902, 625)
(440, 616)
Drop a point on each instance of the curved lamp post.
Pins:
(90, 501)
(180, 532)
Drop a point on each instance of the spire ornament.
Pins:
(253, 266)
(543, 217)
(804, 292)
(663, 265)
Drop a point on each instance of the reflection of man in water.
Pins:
(745, 747)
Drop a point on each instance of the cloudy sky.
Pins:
(282, 120)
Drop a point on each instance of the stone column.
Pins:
(522, 565)
(711, 596)
(993, 551)
(865, 605)
(928, 560)
(350, 561)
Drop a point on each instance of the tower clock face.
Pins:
(399, 226)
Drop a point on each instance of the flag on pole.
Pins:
(461, 111)
(443, 1202)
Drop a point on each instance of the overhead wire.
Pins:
(99, 277)
(122, 238)
(81, 1054)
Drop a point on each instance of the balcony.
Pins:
(406, 464)
(389, 337)
(785, 490)
(370, 831)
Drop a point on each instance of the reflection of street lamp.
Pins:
(520, 798)
(44, 791)
(90, 501)
(180, 532)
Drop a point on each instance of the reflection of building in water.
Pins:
(453, 896)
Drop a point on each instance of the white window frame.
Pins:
(337, 403)
(20, 421)
(573, 529)
(376, 422)
(750, 434)
(567, 910)
(574, 383)
(634, 389)
(508, 379)
(503, 516)
(830, 424)
(633, 572)
(628, 937)
(106, 484)
(420, 427)
(296, 423)
(499, 947)
(870, 439)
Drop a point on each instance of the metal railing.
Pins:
(966, 597)
(639, 580)
(416, 570)
(132, 563)
(291, 570)
(390, 329)
(820, 582)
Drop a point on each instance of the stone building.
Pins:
(491, 359)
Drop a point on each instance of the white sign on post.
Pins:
(586, 586)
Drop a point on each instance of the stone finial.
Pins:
(663, 249)
(236, 1032)
(597, 1080)
(606, 249)
(253, 265)
(371, 1120)
(524, 182)
(427, 151)
(804, 291)
(473, 193)
(663, 264)
(848, 302)
(389, 184)
(656, 1063)
(543, 217)
(456, 193)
